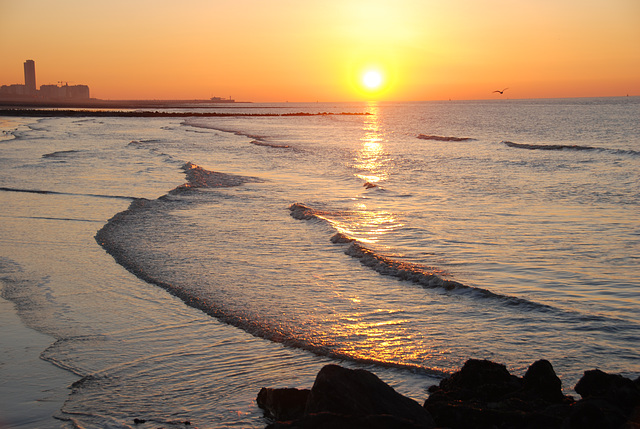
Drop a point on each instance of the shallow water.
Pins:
(502, 230)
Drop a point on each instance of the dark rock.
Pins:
(283, 404)
(609, 400)
(483, 394)
(598, 383)
(360, 393)
(481, 380)
(344, 398)
(541, 381)
(464, 415)
(594, 414)
(340, 421)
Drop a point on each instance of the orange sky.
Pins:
(295, 50)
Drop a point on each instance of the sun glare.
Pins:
(372, 79)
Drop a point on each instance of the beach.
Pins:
(33, 390)
(167, 268)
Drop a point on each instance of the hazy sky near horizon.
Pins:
(285, 50)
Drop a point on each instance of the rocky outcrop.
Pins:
(344, 398)
(482, 394)
(608, 401)
(283, 404)
(485, 395)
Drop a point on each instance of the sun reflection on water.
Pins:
(372, 159)
(371, 164)
(365, 225)
(365, 337)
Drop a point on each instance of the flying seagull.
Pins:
(501, 92)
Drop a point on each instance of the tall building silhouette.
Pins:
(29, 92)
(30, 76)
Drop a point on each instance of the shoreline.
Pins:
(33, 389)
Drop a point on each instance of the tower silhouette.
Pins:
(30, 76)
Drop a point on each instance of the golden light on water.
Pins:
(369, 339)
(365, 225)
(372, 159)
(371, 163)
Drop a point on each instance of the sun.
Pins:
(372, 79)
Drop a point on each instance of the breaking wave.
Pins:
(110, 237)
(198, 177)
(427, 277)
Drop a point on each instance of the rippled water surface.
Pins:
(405, 241)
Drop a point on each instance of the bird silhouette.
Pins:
(501, 92)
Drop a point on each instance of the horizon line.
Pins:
(89, 101)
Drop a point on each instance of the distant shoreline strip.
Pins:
(67, 113)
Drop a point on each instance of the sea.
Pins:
(180, 264)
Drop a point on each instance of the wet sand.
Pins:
(32, 390)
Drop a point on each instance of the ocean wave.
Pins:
(301, 212)
(428, 277)
(114, 240)
(148, 145)
(195, 123)
(275, 331)
(272, 145)
(547, 146)
(369, 185)
(626, 152)
(143, 142)
(198, 177)
(40, 191)
(561, 147)
(65, 219)
(444, 138)
(255, 139)
(60, 153)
